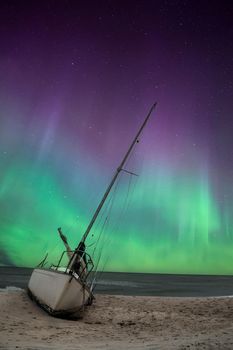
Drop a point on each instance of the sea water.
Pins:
(138, 283)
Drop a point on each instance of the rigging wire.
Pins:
(106, 221)
(105, 225)
(105, 208)
(116, 225)
(99, 273)
(107, 238)
(108, 209)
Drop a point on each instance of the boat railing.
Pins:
(81, 265)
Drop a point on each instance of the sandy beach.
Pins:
(119, 322)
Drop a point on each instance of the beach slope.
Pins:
(119, 322)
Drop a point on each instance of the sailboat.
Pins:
(66, 291)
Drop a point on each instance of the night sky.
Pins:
(77, 79)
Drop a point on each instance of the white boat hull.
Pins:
(59, 293)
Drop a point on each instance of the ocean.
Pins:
(138, 283)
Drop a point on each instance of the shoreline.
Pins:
(119, 322)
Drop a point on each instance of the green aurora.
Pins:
(164, 224)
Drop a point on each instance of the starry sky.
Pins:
(76, 81)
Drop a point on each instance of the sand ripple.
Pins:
(119, 322)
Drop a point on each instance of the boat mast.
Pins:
(116, 175)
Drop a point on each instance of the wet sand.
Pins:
(119, 322)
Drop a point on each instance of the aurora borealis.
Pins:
(76, 81)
